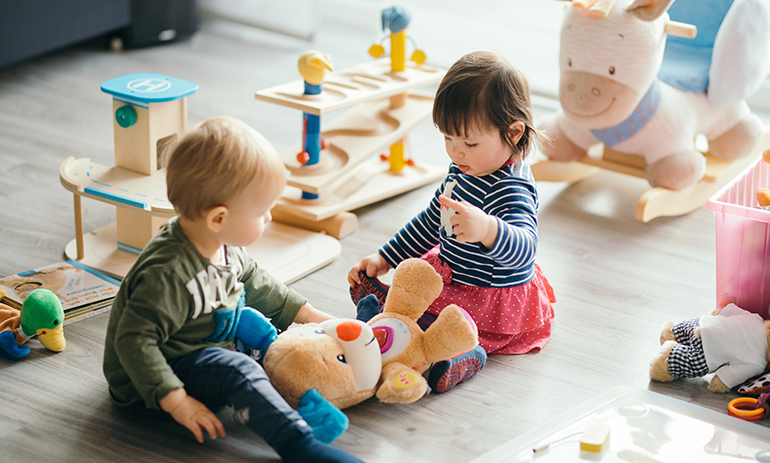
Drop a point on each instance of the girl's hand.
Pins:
(470, 224)
(375, 266)
(192, 414)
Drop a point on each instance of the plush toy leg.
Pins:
(739, 141)
(677, 171)
(255, 330)
(328, 422)
(716, 385)
(450, 335)
(686, 332)
(667, 334)
(9, 348)
(561, 148)
(659, 365)
(401, 384)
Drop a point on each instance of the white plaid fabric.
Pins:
(687, 359)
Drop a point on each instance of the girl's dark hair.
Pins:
(483, 89)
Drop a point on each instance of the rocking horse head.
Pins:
(610, 54)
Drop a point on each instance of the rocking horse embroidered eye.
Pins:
(341, 358)
(612, 70)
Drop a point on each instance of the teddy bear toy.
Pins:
(41, 314)
(731, 342)
(622, 85)
(348, 361)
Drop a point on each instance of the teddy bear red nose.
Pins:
(348, 331)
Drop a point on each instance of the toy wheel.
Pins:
(125, 116)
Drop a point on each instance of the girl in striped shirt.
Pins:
(480, 229)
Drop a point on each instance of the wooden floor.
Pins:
(617, 280)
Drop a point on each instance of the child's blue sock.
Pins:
(447, 374)
(306, 449)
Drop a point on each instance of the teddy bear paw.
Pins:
(668, 333)
(659, 366)
(717, 385)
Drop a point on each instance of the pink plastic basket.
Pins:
(743, 240)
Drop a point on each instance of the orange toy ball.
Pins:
(303, 157)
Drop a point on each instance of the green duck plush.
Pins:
(41, 314)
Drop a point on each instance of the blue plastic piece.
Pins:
(328, 422)
(115, 197)
(149, 88)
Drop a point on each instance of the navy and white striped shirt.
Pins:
(508, 194)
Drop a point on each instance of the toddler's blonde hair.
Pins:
(217, 160)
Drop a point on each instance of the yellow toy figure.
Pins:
(396, 19)
(41, 314)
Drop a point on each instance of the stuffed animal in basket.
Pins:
(41, 314)
(611, 91)
(349, 361)
(731, 342)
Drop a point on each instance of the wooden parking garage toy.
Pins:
(149, 114)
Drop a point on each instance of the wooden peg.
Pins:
(585, 4)
(678, 29)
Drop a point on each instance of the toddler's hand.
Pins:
(470, 224)
(374, 264)
(192, 414)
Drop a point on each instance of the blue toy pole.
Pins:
(311, 139)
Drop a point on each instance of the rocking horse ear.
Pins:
(649, 10)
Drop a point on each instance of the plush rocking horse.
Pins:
(633, 101)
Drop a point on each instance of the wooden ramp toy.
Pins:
(655, 202)
(150, 113)
(346, 172)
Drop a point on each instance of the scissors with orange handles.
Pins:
(746, 408)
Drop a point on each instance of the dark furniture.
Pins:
(33, 27)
